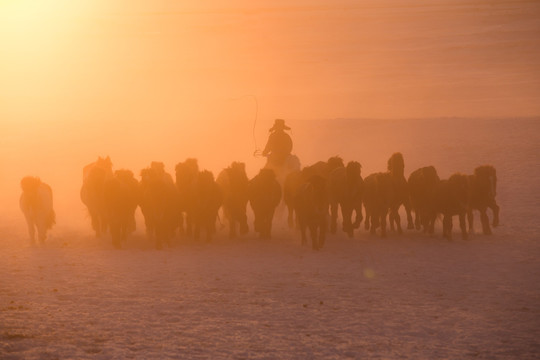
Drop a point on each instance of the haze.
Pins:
(146, 80)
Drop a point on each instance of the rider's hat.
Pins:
(279, 124)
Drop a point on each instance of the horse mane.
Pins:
(267, 174)
(396, 164)
(430, 173)
(189, 166)
(485, 171)
(237, 172)
(458, 178)
(124, 175)
(335, 162)
(205, 177)
(353, 169)
(157, 166)
(237, 167)
(30, 184)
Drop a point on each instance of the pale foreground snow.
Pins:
(401, 297)
(412, 296)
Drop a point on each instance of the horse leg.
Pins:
(485, 222)
(290, 216)
(463, 226)
(103, 223)
(181, 229)
(94, 218)
(313, 234)
(359, 217)
(392, 218)
(383, 223)
(302, 225)
(269, 224)
(333, 218)
(322, 232)
(268, 227)
(125, 230)
(470, 220)
(368, 221)
(256, 222)
(31, 230)
(447, 226)
(397, 220)
(189, 224)
(243, 224)
(495, 209)
(417, 220)
(210, 228)
(375, 222)
(410, 223)
(430, 223)
(346, 212)
(41, 230)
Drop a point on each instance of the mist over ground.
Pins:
(451, 145)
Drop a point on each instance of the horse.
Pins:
(482, 191)
(378, 199)
(297, 178)
(36, 203)
(208, 200)
(422, 183)
(264, 193)
(450, 198)
(233, 183)
(396, 168)
(94, 177)
(311, 205)
(186, 178)
(345, 190)
(121, 198)
(159, 204)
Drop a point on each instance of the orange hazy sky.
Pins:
(139, 79)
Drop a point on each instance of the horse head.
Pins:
(396, 164)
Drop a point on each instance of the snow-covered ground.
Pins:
(410, 296)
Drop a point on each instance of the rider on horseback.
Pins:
(279, 145)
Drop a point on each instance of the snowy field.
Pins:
(411, 296)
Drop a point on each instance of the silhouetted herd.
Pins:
(188, 205)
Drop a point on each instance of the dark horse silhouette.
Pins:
(396, 168)
(311, 205)
(295, 180)
(345, 190)
(422, 183)
(94, 177)
(186, 180)
(208, 200)
(482, 192)
(450, 198)
(233, 183)
(121, 198)
(378, 199)
(159, 204)
(36, 203)
(264, 193)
